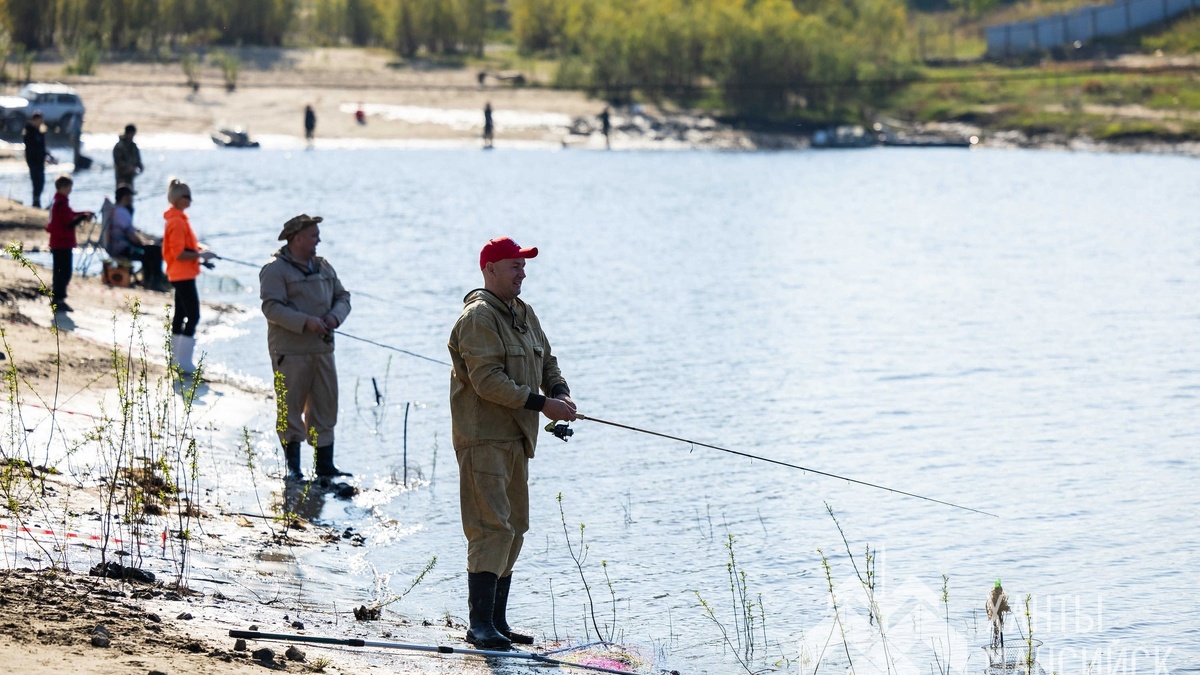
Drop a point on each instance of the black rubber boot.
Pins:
(325, 467)
(291, 452)
(481, 601)
(498, 618)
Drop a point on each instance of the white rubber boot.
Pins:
(184, 348)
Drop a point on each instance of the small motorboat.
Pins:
(233, 138)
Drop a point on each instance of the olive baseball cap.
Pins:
(293, 226)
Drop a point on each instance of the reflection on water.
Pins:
(1013, 331)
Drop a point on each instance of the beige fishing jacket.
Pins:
(290, 294)
(500, 356)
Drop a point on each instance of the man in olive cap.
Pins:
(304, 302)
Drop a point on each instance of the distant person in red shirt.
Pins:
(63, 220)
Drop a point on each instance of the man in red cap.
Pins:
(501, 360)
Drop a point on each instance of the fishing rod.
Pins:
(561, 431)
(437, 649)
(239, 262)
(395, 349)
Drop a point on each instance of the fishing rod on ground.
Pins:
(562, 431)
(436, 649)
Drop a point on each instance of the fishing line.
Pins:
(553, 429)
(395, 349)
(355, 337)
(437, 649)
(223, 235)
(239, 262)
(257, 266)
(780, 463)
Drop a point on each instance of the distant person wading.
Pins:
(310, 124)
(489, 128)
(605, 127)
(127, 159)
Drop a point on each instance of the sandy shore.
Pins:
(425, 106)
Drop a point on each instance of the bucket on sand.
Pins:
(118, 273)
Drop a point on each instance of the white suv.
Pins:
(62, 109)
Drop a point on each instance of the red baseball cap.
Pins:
(503, 248)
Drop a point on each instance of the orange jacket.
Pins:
(177, 238)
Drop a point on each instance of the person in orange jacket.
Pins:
(183, 253)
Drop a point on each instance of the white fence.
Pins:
(1081, 25)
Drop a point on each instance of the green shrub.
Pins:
(84, 58)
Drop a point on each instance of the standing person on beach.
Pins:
(605, 127)
(36, 155)
(488, 128)
(182, 252)
(127, 159)
(63, 220)
(501, 358)
(304, 302)
(310, 124)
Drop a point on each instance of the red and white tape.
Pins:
(37, 530)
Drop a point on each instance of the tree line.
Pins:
(760, 58)
(439, 26)
(145, 24)
(764, 57)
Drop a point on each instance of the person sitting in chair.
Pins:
(124, 241)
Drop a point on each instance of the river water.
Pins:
(1013, 331)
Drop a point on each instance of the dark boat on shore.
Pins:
(233, 138)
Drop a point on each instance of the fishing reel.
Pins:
(560, 430)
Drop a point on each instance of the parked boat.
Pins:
(845, 136)
(233, 138)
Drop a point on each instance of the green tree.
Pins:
(30, 22)
(537, 24)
